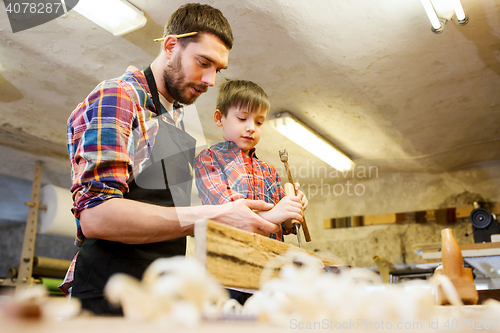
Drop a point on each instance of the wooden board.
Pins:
(436, 247)
(357, 221)
(468, 250)
(329, 223)
(236, 257)
(379, 219)
(480, 246)
(441, 216)
(463, 212)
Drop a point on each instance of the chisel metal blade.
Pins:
(298, 235)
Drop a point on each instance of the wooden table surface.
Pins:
(448, 319)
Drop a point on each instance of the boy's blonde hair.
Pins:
(242, 94)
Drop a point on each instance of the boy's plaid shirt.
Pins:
(225, 174)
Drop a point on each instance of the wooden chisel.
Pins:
(293, 223)
(284, 158)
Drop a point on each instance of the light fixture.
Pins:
(117, 16)
(441, 11)
(293, 129)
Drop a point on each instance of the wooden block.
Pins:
(328, 223)
(340, 222)
(379, 219)
(464, 285)
(420, 216)
(445, 216)
(357, 221)
(440, 216)
(410, 216)
(400, 217)
(451, 215)
(236, 257)
(463, 212)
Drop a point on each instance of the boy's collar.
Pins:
(232, 146)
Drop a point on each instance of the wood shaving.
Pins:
(174, 290)
(303, 291)
(179, 291)
(35, 303)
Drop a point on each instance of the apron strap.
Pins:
(154, 90)
(156, 100)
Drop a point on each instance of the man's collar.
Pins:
(166, 104)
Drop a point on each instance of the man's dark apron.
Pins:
(165, 181)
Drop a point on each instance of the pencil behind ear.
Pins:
(218, 118)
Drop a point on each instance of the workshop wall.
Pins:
(13, 213)
(395, 193)
(50, 246)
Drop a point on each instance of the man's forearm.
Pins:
(132, 222)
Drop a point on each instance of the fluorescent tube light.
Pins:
(431, 14)
(302, 135)
(117, 16)
(459, 11)
(441, 11)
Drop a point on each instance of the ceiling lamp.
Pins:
(117, 16)
(305, 137)
(441, 11)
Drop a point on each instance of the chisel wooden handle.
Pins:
(284, 158)
(290, 190)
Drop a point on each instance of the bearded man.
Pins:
(131, 160)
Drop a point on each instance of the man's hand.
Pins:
(240, 214)
(290, 207)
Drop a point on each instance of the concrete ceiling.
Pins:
(369, 75)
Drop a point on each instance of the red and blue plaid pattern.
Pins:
(225, 174)
(110, 135)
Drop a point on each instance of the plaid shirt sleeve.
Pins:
(211, 182)
(99, 139)
(108, 138)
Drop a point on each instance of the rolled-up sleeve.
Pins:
(99, 146)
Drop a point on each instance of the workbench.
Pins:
(484, 257)
(445, 321)
(250, 254)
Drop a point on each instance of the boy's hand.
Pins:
(302, 197)
(290, 207)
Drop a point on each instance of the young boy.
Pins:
(230, 170)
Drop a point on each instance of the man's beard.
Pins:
(174, 80)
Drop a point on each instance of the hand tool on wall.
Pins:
(284, 158)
